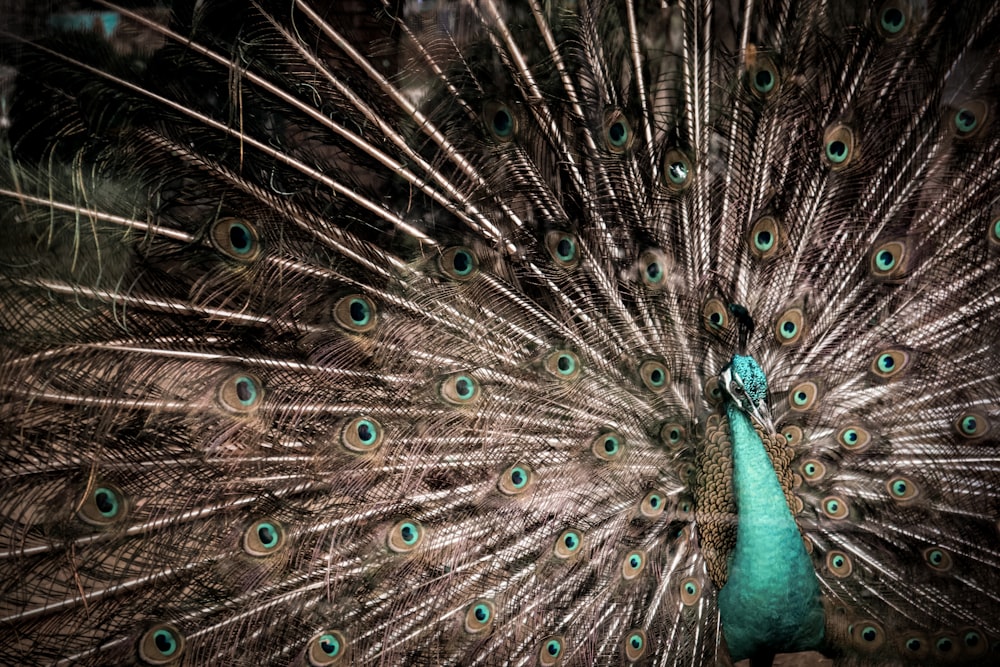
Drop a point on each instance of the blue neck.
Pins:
(771, 601)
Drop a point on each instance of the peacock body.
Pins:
(567, 332)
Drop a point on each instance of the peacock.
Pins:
(540, 332)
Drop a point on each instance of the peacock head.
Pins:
(744, 382)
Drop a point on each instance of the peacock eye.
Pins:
(327, 648)
(763, 81)
(635, 645)
(803, 396)
(713, 390)
(793, 435)
(763, 75)
(690, 591)
(608, 446)
(515, 480)
(458, 263)
(854, 438)
(885, 260)
(460, 389)
(241, 393)
(161, 644)
(839, 564)
(835, 507)
(902, 488)
(503, 123)
(676, 170)
(968, 425)
(355, 312)
(563, 364)
(714, 315)
(563, 248)
(652, 268)
(965, 120)
(789, 326)
(938, 559)
(652, 505)
(479, 616)
(915, 646)
(236, 238)
(106, 501)
(890, 363)
(104, 505)
(838, 146)
(972, 424)
(968, 118)
(764, 236)
(618, 132)
(551, 651)
(633, 565)
(891, 20)
(362, 434)
(405, 536)
(886, 363)
(499, 120)
(263, 538)
(836, 151)
(672, 434)
(889, 260)
(568, 543)
(654, 375)
(566, 249)
(813, 470)
(868, 635)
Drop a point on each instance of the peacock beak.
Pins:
(762, 415)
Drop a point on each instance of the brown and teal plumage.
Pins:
(395, 337)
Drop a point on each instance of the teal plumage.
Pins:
(771, 599)
(503, 333)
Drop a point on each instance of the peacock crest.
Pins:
(575, 332)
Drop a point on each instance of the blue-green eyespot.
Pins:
(263, 538)
(405, 536)
(568, 543)
(499, 120)
(241, 393)
(677, 170)
(161, 644)
(458, 263)
(355, 312)
(838, 146)
(563, 247)
(479, 615)
(617, 132)
(327, 648)
(236, 238)
(635, 645)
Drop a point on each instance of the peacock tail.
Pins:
(558, 332)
